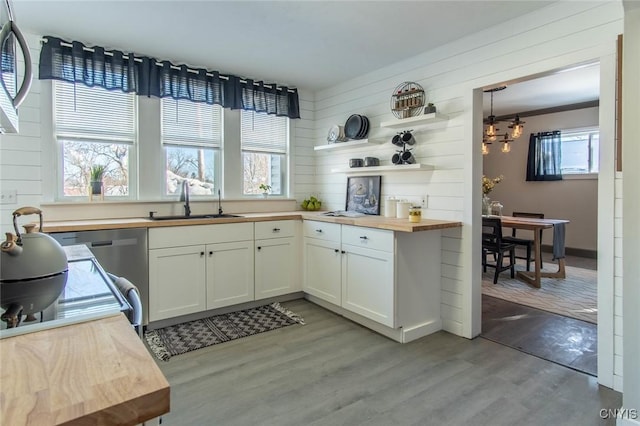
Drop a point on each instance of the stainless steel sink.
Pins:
(193, 216)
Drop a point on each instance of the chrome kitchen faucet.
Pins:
(184, 196)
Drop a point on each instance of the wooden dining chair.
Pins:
(493, 243)
(527, 243)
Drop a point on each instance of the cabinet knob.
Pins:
(343, 252)
(211, 253)
(319, 231)
(336, 250)
(201, 253)
(259, 248)
(364, 237)
(276, 229)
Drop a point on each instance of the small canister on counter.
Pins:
(402, 209)
(390, 207)
(415, 214)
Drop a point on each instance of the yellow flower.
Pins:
(488, 183)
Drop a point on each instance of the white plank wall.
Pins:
(21, 155)
(557, 36)
(617, 281)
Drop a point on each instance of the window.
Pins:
(264, 140)
(94, 126)
(191, 137)
(580, 150)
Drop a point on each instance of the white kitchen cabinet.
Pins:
(229, 274)
(322, 270)
(368, 284)
(385, 280)
(322, 275)
(200, 267)
(277, 258)
(176, 278)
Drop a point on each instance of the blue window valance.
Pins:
(74, 62)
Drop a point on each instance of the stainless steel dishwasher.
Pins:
(122, 252)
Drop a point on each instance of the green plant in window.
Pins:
(97, 173)
(265, 188)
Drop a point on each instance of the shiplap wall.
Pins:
(21, 155)
(557, 36)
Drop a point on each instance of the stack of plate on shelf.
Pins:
(356, 127)
(336, 134)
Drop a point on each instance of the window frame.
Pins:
(582, 174)
(59, 178)
(285, 165)
(219, 160)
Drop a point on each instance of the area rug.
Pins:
(189, 336)
(574, 296)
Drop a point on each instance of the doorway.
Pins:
(501, 316)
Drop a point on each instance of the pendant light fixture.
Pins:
(491, 130)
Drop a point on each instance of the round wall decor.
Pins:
(407, 100)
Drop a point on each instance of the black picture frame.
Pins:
(363, 194)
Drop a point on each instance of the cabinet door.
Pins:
(368, 283)
(176, 282)
(322, 269)
(276, 260)
(229, 273)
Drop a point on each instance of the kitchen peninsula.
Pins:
(92, 373)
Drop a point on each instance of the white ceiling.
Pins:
(306, 44)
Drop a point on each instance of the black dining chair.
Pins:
(527, 243)
(493, 243)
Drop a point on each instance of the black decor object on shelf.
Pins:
(403, 156)
(356, 127)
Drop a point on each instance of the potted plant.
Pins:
(265, 189)
(96, 175)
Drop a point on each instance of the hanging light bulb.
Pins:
(516, 127)
(491, 130)
(506, 147)
(485, 148)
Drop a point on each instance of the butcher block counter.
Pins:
(379, 222)
(94, 373)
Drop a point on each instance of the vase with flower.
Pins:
(487, 186)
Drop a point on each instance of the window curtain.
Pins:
(545, 157)
(114, 70)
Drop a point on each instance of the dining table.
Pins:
(536, 225)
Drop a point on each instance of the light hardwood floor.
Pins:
(332, 371)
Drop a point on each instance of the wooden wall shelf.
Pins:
(414, 122)
(391, 168)
(349, 144)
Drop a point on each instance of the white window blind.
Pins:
(191, 123)
(263, 132)
(93, 113)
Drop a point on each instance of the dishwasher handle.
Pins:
(114, 243)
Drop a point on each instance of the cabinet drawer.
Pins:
(177, 236)
(376, 239)
(322, 230)
(275, 229)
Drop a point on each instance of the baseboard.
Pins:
(400, 335)
(572, 251)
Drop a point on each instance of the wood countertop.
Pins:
(401, 225)
(94, 373)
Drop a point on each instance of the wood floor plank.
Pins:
(332, 371)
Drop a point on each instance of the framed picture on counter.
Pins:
(363, 194)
